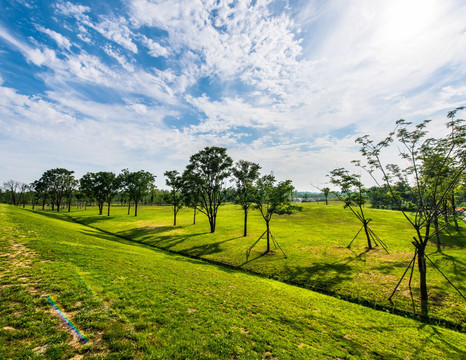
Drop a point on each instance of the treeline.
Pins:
(202, 186)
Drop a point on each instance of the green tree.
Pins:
(59, 182)
(101, 186)
(423, 176)
(326, 192)
(206, 173)
(11, 188)
(271, 198)
(245, 173)
(353, 194)
(136, 185)
(175, 182)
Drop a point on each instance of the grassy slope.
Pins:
(136, 302)
(315, 241)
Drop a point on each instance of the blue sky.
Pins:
(144, 84)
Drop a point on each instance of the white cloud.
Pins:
(155, 49)
(61, 41)
(115, 29)
(122, 60)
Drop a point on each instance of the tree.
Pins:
(353, 194)
(60, 183)
(11, 187)
(136, 185)
(101, 186)
(206, 173)
(270, 199)
(41, 190)
(245, 173)
(326, 191)
(175, 181)
(423, 177)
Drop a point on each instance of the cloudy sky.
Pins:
(144, 84)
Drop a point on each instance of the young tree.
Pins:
(175, 181)
(190, 194)
(425, 179)
(136, 185)
(245, 173)
(206, 173)
(271, 198)
(353, 194)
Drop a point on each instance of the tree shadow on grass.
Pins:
(52, 215)
(441, 342)
(208, 249)
(319, 276)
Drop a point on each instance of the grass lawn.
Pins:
(135, 302)
(315, 241)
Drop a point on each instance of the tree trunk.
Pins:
(69, 206)
(268, 236)
(212, 224)
(135, 208)
(437, 233)
(366, 230)
(326, 200)
(174, 215)
(194, 218)
(129, 206)
(108, 209)
(454, 211)
(245, 233)
(421, 260)
(101, 206)
(58, 206)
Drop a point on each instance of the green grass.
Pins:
(315, 241)
(133, 301)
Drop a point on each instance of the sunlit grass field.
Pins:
(133, 301)
(315, 242)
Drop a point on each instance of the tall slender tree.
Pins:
(424, 178)
(353, 194)
(175, 182)
(271, 198)
(245, 173)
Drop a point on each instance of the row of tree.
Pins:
(202, 186)
(424, 189)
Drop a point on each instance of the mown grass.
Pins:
(315, 241)
(135, 302)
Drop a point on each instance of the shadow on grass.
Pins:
(437, 338)
(320, 276)
(207, 249)
(52, 214)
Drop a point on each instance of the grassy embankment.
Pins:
(315, 241)
(135, 302)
